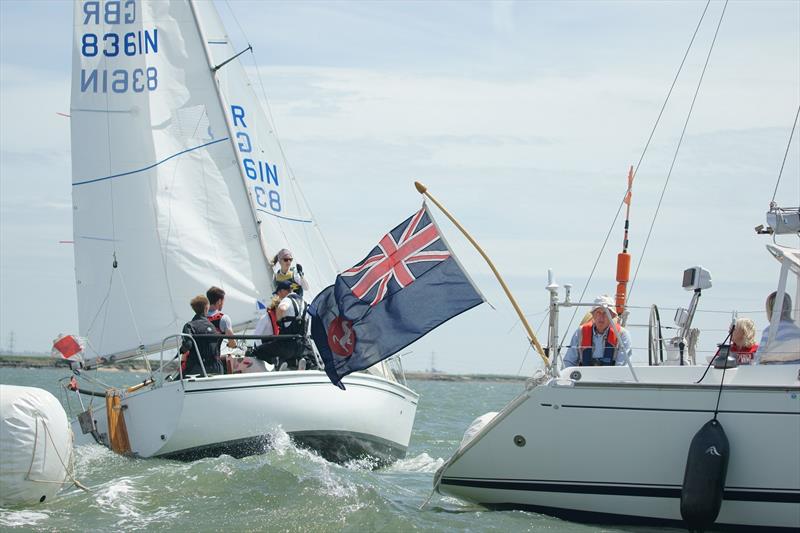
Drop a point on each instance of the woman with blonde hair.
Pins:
(287, 272)
(743, 338)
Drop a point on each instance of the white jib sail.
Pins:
(160, 209)
(283, 215)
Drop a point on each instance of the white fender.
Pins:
(35, 445)
(476, 425)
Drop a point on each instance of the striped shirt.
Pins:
(784, 348)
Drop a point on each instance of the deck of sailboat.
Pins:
(688, 376)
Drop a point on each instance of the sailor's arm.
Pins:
(186, 342)
(231, 342)
(282, 309)
(624, 349)
(227, 328)
(300, 280)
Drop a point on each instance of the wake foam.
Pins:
(9, 518)
(421, 463)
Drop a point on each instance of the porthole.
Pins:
(519, 440)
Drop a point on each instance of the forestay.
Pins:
(163, 205)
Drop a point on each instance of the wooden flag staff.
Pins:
(531, 336)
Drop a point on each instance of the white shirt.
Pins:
(264, 326)
(785, 347)
(225, 323)
(285, 307)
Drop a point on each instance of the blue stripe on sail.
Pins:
(305, 221)
(153, 165)
(217, 42)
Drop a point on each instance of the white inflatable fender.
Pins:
(35, 445)
(476, 425)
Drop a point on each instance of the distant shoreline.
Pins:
(29, 361)
(442, 376)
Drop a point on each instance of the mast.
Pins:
(231, 136)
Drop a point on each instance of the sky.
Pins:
(522, 118)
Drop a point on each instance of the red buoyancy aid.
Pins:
(215, 319)
(744, 356)
(274, 319)
(586, 347)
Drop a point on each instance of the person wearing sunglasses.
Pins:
(287, 272)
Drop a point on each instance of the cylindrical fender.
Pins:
(704, 478)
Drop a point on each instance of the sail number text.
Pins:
(263, 176)
(113, 44)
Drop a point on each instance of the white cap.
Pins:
(604, 300)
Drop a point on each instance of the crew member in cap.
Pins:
(595, 342)
(291, 310)
(269, 350)
(292, 315)
(268, 324)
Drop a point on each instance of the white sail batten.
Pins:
(160, 212)
(282, 214)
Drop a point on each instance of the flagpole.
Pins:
(531, 336)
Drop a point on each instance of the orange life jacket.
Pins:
(586, 348)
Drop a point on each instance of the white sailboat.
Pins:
(179, 183)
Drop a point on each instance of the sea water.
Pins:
(285, 488)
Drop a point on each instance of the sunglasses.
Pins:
(287, 259)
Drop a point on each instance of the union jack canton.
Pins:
(401, 256)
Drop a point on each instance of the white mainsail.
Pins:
(162, 208)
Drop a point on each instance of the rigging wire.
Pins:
(298, 189)
(130, 308)
(102, 304)
(678, 148)
(273, 125)
(788, 145)
(530, 346)
(638, 164)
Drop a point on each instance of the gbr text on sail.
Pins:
(110, 33)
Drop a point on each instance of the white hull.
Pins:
(604, 448)
(233, 414)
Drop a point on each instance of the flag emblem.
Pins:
(341, 337)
